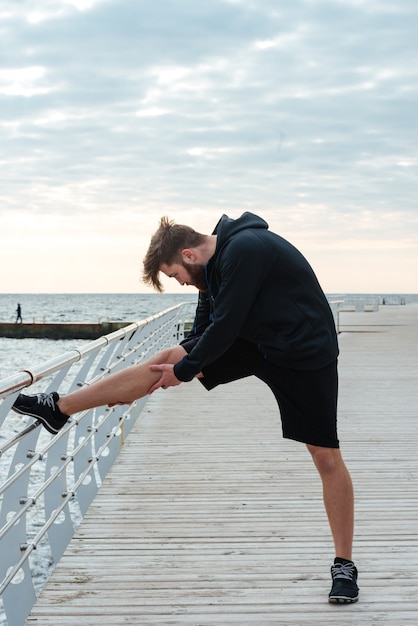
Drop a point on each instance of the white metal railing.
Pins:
(346, 305)
(47, 483)
(335, 306)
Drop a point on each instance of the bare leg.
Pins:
(338, 497)
(120, 388)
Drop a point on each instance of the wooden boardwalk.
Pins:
(210, 518)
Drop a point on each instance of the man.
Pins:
(19, 314)
(262, 312)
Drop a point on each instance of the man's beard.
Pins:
(197, 276)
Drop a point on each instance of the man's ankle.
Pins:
(61, 405)
(342, 560)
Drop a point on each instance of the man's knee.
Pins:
(327, 460)
(169, 355)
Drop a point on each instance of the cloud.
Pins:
(302, 111)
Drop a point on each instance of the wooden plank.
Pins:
(210, 518)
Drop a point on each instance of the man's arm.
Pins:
(243, 266)
(203, 317)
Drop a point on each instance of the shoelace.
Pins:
(343, 570)
(46, 399)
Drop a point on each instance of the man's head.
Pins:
(172, 250)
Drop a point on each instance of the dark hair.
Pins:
(165, 248)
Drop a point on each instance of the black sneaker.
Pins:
(344, 583)
(43, 407)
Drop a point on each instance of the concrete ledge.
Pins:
(63, 330)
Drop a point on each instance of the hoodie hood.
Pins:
(226, 227)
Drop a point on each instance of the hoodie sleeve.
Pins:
(242, 265)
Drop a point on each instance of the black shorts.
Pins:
(307, 399)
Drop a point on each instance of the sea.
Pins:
(18, 354)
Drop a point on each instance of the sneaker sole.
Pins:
(37, 417)
(342, 600)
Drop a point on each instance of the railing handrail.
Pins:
(27, 377)
(51, 481)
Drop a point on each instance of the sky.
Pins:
(114, 113)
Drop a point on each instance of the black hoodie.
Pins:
(262, 289)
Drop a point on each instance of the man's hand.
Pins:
(168, 379)
(119, 404)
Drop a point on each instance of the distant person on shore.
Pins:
(261, 312)
(19, 314)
